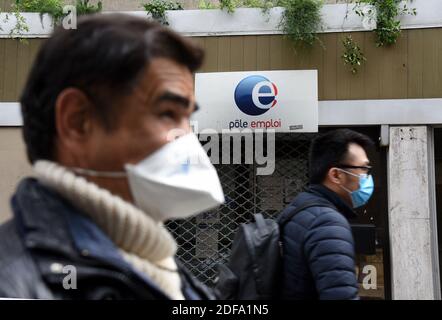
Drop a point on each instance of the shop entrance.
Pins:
(205, 241)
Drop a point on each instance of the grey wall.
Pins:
(13, 166)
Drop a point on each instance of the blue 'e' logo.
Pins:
(255, 95)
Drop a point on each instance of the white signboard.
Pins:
(286, 101)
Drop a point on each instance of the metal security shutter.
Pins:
(204, 241)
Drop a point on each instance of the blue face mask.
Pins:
(363, 194)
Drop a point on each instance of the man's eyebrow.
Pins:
(173, 97)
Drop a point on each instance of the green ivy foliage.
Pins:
(352, 55)
(157, 8)
(387, 12)
(301, 20)
(84, 7)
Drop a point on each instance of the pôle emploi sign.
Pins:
(286, 101)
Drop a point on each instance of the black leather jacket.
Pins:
(47, 234)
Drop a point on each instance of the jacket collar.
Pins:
(332, 197)
(40, 218)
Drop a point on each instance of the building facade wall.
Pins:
(410, 69)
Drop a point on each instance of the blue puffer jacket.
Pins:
(319, 249)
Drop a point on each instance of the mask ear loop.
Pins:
(365, 175)
(102, 174)
(350, 173)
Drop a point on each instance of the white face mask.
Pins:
(176, 181)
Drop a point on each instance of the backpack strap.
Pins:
(287, 216)
(261, 224)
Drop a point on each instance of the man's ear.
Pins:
(73, 111)
(333, 175)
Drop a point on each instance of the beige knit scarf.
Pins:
(143, 242)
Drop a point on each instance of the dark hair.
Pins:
(104, 57)
(331, 149)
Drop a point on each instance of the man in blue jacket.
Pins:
(318, 244)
